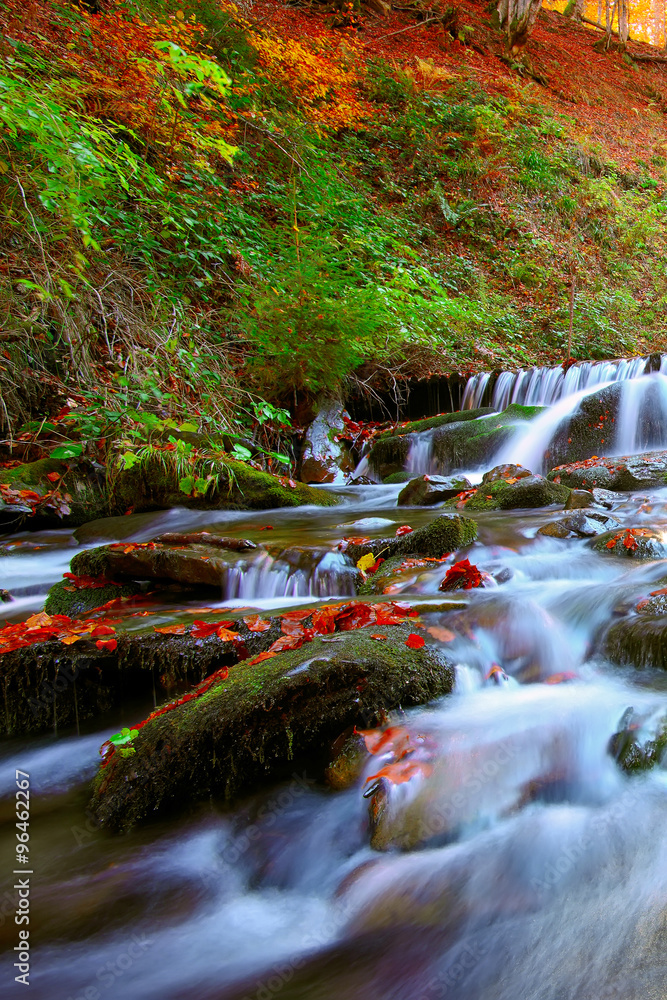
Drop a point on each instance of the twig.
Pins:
(410, 27)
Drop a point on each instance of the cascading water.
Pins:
(545, 386)
(516, 861)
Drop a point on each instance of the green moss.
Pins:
(529, 492)
(444, 534)
(646, 546)
(153, 484)
(473, 444)
(442, 420)
(639, 640)
(389, 455)
(34, 473)
(397, 477)
(239, 732)
(75, 603)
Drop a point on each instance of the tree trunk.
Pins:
(517, 18)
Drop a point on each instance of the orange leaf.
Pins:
(170, 629)
(257, 624)
(226, 635)
(443, 634)
(53, 476)
(380, 638)
(69, 639)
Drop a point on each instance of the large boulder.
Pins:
(454, 441)
(324, 459)
(444, 534)
(252, 725)
(513, 494)
(426, 490)
(623, 473)
(153, 484)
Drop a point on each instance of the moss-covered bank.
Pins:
(444, 534)
(532, 491)
(252, 725)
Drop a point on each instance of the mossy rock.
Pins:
(397, 477)
(636, 747)
(250, 727)
(389, 455)
(622, 473)
(591, 430)
(192, 565)
(80, 479)
(51, 686)
(441, 420)
(466, 442)
(631, 543)
(471, 445)
(444, 534)
(64, 599)
(153, 485)
(530, 492)
(638, 640)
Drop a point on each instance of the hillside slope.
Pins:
(212, 210)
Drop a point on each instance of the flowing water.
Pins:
(526, 867)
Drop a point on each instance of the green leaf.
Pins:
(187, 484)
(72, 450)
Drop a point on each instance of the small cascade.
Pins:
(545, 386)
(642, 420)
(420, 457)
(295, 572)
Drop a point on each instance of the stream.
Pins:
(543, 875)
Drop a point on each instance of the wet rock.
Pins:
(197, 565)
(505, 472)
(444, 534)
(640, 742)
(50, 685)
(633, 543)
(5, 597)
(426, 490)
(362, 481)
(458, 440)
(579, 499)
(528, 491)
(586, 523)
(638, 640)
(251, 726)
(75, 494)
(66, 599)
(589, 431)
(350, 755)
(441, 420)
(206, 538)
(625, 473)
(323, 458)
(153, 485)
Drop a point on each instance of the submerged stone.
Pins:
(251, 726)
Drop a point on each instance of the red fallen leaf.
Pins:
(171, 629)
(404, 529)
(266, 527)
(267, 655)
(356, 616)
(442, 634)
(296, 616)
(462, 576)
(89, 582)
(53, 476)
(414, 641)
(380, 638)
(201, 629)
(642, 604)
(109, 644)
(394, 738)
(658, 593)
(324, 619)
(257, 624)
(102, 630)
(611, 543)
(566, 675)
(285, 642)
(400, 771)
(630, 543)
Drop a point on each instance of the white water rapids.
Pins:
(528, 866)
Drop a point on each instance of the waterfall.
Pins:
(545, 386)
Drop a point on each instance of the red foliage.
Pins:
(89, 582)
(462, 576)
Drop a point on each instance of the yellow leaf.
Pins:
(38, 621)
(365, 563)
